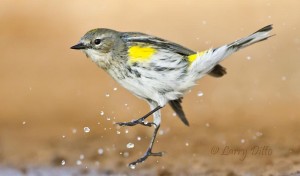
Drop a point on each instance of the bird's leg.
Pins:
(149, 150)
(141, 120)
(155, 110)
(156, 124)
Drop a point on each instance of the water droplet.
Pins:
(107, 95)
(248, 57)
(132, 166)
(81, 156)
(78, 162)
(138, 138)
(258, 133)
(108, 118)
(100, 151)
(118, 132)
(174, 114)
(101, 113)
(86, 129)
(74, 130)
(126, 131)
(130, 145)
(207, 42)
(63, 162)
(125, 104)
(243, 141)
(125, 154)
(200, 94)
(187, 144)
(115, 89)
(207, 125)
(23, 122)
(63, 136)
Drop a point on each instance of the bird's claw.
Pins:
(142, 159)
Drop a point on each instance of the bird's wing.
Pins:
(135, 37)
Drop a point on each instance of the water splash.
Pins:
(86, 129)
(130, 145)
(101, 113)
(200, 94)
(132, 166)
(81, 156)
(78, 162)
(100, 151)
(63, 162)
(125, 154)
(258, 133)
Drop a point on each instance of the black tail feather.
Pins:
(218, 71)
(176, 106)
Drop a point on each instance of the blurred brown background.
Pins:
(49, 93)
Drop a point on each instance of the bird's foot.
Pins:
(146, 155)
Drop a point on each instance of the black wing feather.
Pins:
(217, 71)
(156, 41)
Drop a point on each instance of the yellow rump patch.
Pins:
(140, 54)
(193, 57)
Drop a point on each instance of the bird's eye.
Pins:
(97, 41)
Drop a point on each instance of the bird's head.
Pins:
(99, 44)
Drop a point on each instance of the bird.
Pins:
(157, 70)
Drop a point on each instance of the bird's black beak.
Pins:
(79, 46)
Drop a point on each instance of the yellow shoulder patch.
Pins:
(193, 57)
(140, 54)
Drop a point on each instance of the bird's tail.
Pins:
(208, 59)
(257, 36)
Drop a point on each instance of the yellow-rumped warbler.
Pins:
(155, 69)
